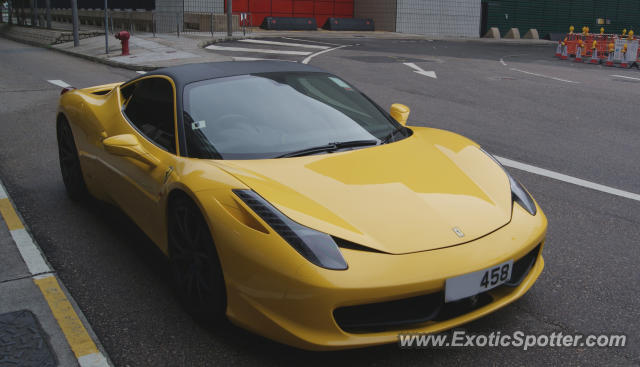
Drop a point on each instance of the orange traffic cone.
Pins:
(578, 54)
(564, 55)
(559, 49)
(594, 57)
(612, 49)
(624, 63)
(609, 59)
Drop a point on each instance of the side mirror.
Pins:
(127, 145)
(400, 112)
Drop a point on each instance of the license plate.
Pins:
(468, 285)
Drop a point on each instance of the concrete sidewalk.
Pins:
(40, 324)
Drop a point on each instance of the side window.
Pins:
(149, 106)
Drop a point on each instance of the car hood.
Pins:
(434, 189)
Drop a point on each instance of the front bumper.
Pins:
(290, 300)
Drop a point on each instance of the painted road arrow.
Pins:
(417, 69)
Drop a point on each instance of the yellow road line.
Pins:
(79, 340)
(77, 336)
(9, 215)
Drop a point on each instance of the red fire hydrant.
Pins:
(124, 36)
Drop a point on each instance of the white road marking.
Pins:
(306, 60)
(304, 40)
(257, 59)
(29, 252)
(3, 194)
(626, 77)
(568, 179)
(93, 360)
(257, 50)
(141, 72)
(502, 62)
(544, 76)
(59, 83)
(418, 70)
(274, 43)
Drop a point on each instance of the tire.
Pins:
(196, 274)
(70, 162)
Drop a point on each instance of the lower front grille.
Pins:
(408, 312)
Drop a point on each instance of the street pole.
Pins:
(106, 27)
(48, 4)
(229, 18)
(10, 10)
(33, 12)
(74, 16)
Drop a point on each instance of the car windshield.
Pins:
(270, 115)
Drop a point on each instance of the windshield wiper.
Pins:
(396, 130)
(329, 148)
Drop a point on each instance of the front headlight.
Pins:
(518, 193)
(317, 247)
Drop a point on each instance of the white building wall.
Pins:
(206, 6)
(457, 18)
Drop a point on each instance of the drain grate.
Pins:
(23, 342)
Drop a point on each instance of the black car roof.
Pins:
(189, 73)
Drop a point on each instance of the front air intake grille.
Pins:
(411, 312)
(389, 315)
(522, 266)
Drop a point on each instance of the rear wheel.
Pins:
(195, 268)
(69, 162)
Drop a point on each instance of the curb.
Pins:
(75, 327)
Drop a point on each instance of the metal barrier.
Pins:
(615, 49)
(169, 21)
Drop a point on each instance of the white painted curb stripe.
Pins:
(306, 61)
(568, 179)
(3, 194)
(257, 50)
(290, 44)
(93, 360)
(59, 83)
(29, 252)
(626, 77)
(544, 76)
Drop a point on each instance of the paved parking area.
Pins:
(561, 121)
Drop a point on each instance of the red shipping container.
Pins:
(343, 9)
(282, 7)
(321, 19)
(259, 6)
(302, 7)
(239, 6)
(323, 8)
(258, 18)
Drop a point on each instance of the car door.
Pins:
(138, 186)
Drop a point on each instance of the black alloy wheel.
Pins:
(195, 268)
(70, 162)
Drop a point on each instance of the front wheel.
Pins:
(69, 162)
(195, 268)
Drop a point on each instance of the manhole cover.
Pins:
(23, 342)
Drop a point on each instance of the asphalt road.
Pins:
(583, 123)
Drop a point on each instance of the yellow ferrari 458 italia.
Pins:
(289, 202)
